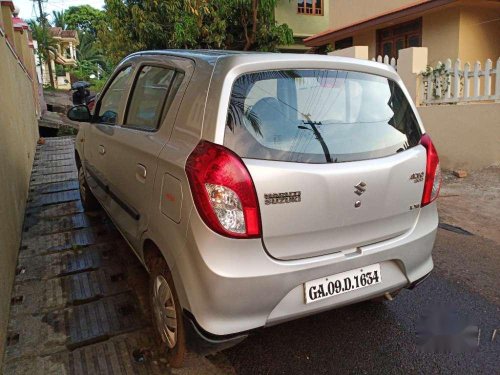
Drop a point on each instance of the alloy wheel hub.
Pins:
(164, 311)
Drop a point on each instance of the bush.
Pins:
(60, 70)
(97, 85)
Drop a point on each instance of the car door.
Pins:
(135, 145)
(101, 130)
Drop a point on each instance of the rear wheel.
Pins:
(166, 312)
(89, 202)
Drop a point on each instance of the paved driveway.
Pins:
(79, 303)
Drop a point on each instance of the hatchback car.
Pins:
(257, 188)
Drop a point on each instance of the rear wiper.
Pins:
(317, 135)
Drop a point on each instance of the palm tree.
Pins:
(47, 45)
(58, 19)
(88, 50)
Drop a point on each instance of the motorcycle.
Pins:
(81, 94)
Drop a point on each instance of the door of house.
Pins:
(391, 39)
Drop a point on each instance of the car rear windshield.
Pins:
(318, 116)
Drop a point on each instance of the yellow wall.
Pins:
(440, 34)
(367, 38)
(302, 24)
(467, 30)
(466, 136)
(479, 34)
(345, 12)
(18, 134)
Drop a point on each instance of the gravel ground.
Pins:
(473, 202)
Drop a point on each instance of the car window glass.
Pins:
(319, 116)
(149, 100)
(179, 77)
(109, 105)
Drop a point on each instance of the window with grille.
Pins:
(391, 39)
(314, 7)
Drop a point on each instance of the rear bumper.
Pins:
(203, 342)
(233, 286)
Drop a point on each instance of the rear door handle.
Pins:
(102, 150)
(141, 172)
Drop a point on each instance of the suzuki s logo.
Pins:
(360, 188)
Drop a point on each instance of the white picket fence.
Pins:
(387, 61)
(449, 83)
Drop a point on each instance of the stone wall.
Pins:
(18, 137)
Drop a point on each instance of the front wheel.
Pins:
(166, 312)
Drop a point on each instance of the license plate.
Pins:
(325, 287)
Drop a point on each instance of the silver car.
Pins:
(257, 188)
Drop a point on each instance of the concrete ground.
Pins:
(79, 299)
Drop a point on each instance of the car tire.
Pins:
(165, 309)
(89, 201)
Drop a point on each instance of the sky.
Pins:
(27, 6)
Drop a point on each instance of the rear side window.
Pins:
(153, 93)
(318, 116)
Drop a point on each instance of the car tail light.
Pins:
(223, 191)
(432, 182)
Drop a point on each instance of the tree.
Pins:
(133, 25)
(84, 18)
(59, 19)
(88, 50)
(47, 45)
(90, 59)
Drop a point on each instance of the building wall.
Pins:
(462, 31)
(366, 38)
(479, 33)
(345, 12)
(302, 24)
(466, 136)
(19, 133)
(441, 34)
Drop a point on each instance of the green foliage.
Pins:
(47, 45)
(83, 70)
(67, 130)
(98, 84)
(439, 76)
(84, 18)
(60, 71)
(59, 19)
(89, 50)
(133, 25)
(90, 59)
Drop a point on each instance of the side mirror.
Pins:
(79, 113)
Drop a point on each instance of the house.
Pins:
(64, 57)
(459, 101)
(465, 29)
(305, 17)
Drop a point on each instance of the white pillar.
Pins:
(411, 62)
(357, 52)
(71, 52)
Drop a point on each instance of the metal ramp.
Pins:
(78, 301)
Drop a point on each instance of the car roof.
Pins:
(195, 54)
(212, 55)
